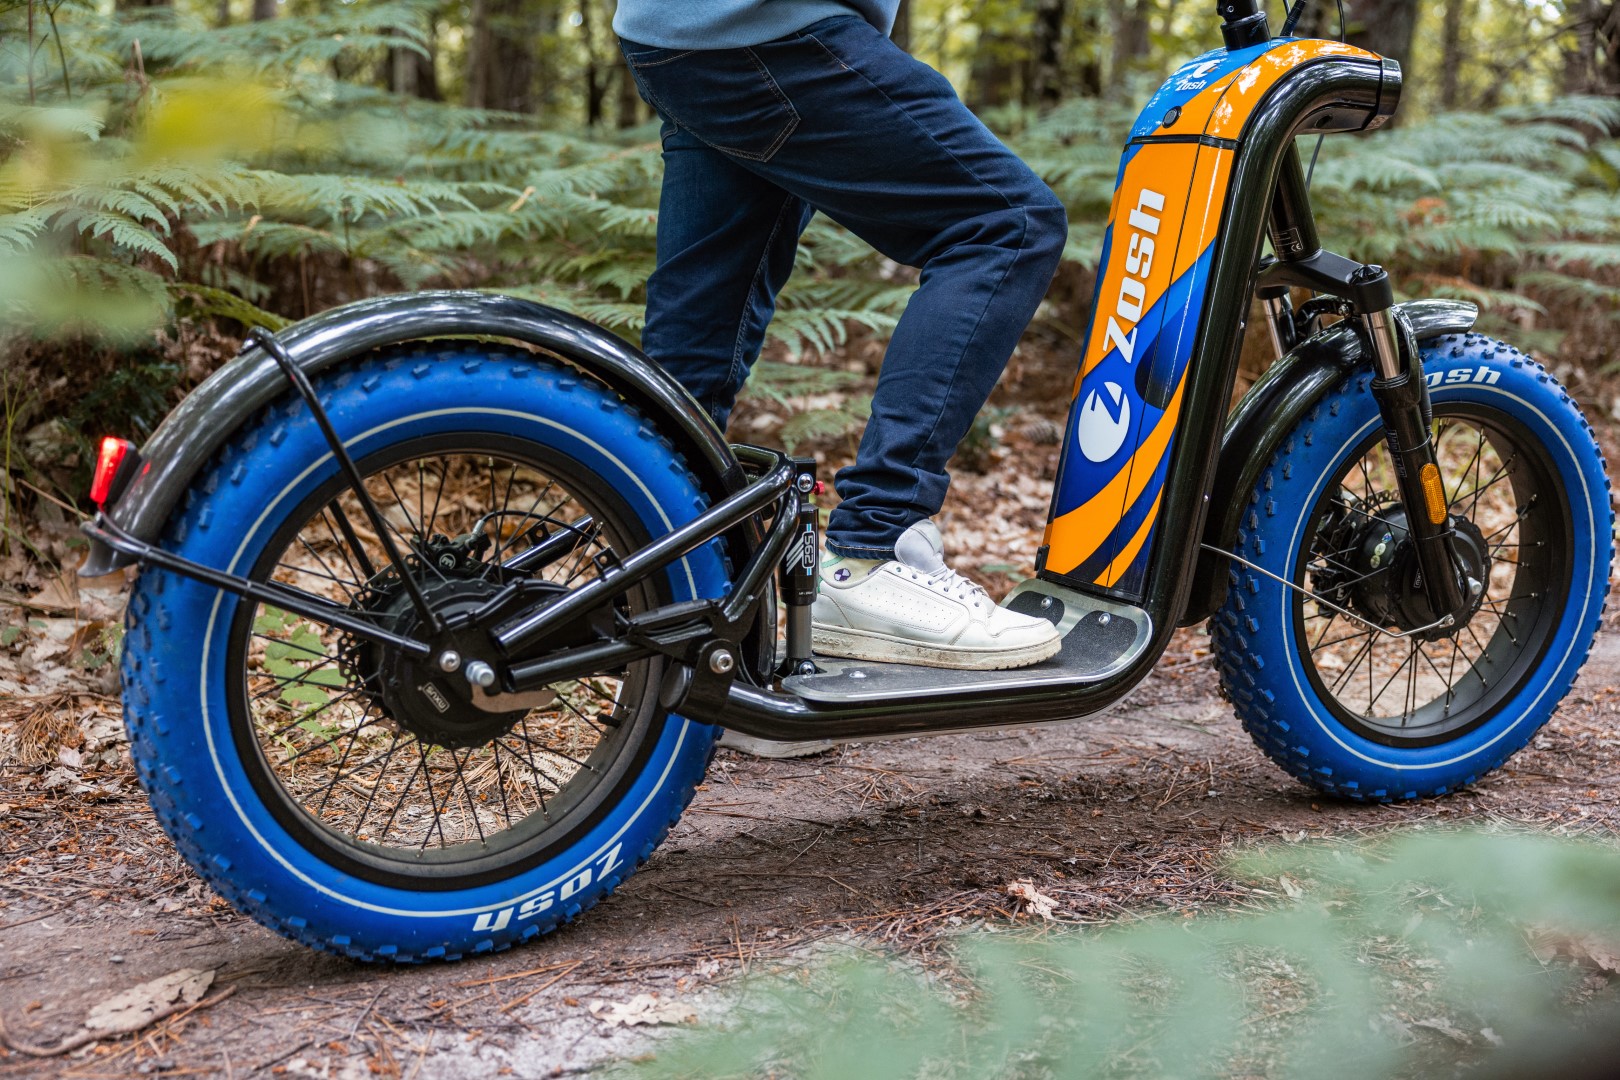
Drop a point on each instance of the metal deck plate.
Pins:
(1099, 638)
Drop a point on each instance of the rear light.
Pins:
(115, 462)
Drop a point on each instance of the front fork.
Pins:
(1403, 403)
(1364, 293)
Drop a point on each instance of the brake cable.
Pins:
(1439, 624)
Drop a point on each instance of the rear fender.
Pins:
(233, 395)
(1288, 390)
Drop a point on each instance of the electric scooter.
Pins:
(444, 598)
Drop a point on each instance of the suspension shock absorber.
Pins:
(1403, 404)
(799, 576)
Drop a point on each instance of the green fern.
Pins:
(1517, 209)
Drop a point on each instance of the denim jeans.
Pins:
(839, 119)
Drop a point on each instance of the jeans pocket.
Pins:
(726, 97)
(643, 56)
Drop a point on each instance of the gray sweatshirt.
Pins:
(730, 24)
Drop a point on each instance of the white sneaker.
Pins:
(913, 609)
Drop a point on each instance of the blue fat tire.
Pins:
(176, 629)
(1253, 632)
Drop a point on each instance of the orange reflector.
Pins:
(108, 458)
(1434, 494)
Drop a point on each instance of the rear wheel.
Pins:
(1353, 688)
(366, 803)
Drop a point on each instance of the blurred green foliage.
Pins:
(1408, 956)
(177, 168)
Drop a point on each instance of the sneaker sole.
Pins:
(770, 748)
(886, 649)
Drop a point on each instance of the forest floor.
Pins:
(891, 846)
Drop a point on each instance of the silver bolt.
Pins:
(1104, 619)
(806, 483)
(1046, 601)
(721, 661)
(480, 674)
(449, 660)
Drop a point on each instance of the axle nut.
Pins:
(480, 674)
(721, 662)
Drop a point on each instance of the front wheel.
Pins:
(365, 803)
(1343, 680)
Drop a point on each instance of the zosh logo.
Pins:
(1138, 265)
(1104, 422)
(1195, 78)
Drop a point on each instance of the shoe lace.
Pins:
(952, 584)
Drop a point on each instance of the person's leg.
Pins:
(845, 120)
(726, 240)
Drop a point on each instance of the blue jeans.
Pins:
(839, 119)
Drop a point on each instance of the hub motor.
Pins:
(435, 705)
(1376, 573)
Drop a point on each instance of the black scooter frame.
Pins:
(705, 639)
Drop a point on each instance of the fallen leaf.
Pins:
(1590, 951)
(1037, 902)
(1445, 1028)
(59, 596)
(139, 1004)
(641, 1009)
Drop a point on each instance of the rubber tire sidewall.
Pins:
(1254, 630)
(177, 630)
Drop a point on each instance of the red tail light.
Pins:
(110, 461)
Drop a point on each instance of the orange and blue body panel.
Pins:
(1169, 202)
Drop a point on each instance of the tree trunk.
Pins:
(222, 13)
(1593, 66)
(1086, 54)
(264, 10)
(629, 103)
(142, 5)
(901, 33)
(1132, 20)
(991, 81)
(1382, 26)
(1451, 53)
(501, 64)
(1045, 83)
(412, 74)
(595, 84)
(1609, 35)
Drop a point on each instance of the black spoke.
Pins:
(349, 545)
(388, 749)
(1494, 484)
(1462, 474)
(1350, 668)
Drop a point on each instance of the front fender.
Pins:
(190, 435)
(1288, 390)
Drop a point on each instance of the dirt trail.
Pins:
(889, 843)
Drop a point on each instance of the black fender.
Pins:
(1288, 390)
(190, 435)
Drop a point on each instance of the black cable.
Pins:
(1292, 19)
(1311, 170)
